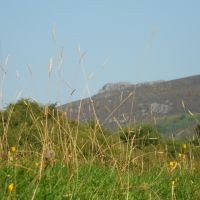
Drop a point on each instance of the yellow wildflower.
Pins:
(173, 183)
(11, 187)
(180, 155)
(13, 149)
(184, 146)
(173, 164)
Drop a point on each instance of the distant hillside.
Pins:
(123, 103)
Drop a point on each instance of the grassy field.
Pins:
(45, 156)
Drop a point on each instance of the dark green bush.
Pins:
(21, 122)
(142, 135)
(196, 138)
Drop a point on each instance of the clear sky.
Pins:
(131, 40)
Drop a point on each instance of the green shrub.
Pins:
(196, 138)
(21, 122)
(142, 135)
(197, 131)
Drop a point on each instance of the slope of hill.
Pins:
(123, 103)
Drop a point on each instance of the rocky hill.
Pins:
(122, 103)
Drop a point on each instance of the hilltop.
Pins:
(124, 103)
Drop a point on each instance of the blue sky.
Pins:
(133, 41)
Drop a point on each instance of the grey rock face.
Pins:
(160, 108)
(122, 103)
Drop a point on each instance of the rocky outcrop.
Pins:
(122, 103)
(110, 87)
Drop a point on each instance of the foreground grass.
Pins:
(44, 156)
(95, 181)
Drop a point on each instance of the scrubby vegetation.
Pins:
(175, 123)
(141, 135)
(43, 155)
